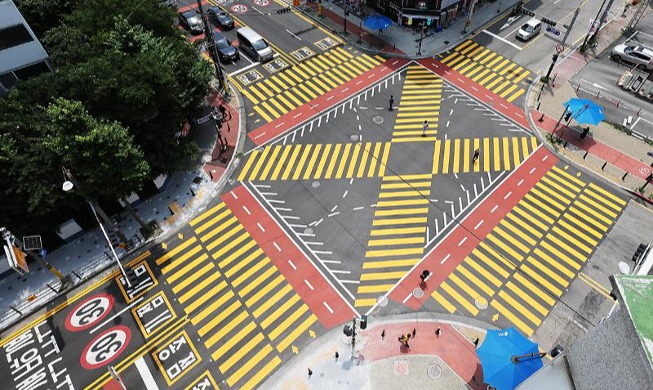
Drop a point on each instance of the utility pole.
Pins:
(421, 38)
(571, 24)
(224, 88)
(344, 23)
(637, 16)
(603, 18)
(469, 16)
(584, 45)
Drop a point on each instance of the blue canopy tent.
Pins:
(377, 22)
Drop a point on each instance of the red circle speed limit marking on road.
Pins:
(105, 347)
(89, 312)
(262, 3)
(239, 8)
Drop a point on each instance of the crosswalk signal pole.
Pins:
(224, 88)
(468, 21)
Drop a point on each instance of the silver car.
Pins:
(636, 55)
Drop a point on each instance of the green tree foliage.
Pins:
(42, 15)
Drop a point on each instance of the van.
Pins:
(529, 29)
(254, 45)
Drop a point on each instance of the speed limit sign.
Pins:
(105, 347)
(560, 48)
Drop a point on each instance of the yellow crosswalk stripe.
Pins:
(459, 298)
(504, 247)
(241, 352)
(234, 339)
(546, 245)
(302, 160)
(508, 314)
(583, 203)
(172, 253)
(519, 232)
(600, 203)
(323, 160)
(528, 298)
(475, 280)
(224, 330)
(332, 162)
(555, 264)
(527, 226)
(199, 287)
(484, 272)
(251, 271)
(376, 288)
(443, 301)
(187, 268)
(263, 291)
(192, 278)
(281, 163)
(289, 320)
(529, 203)
(291, 162)
(297, 330)
(354, 159)
(548, 272)
(521, 309)
(394, 252)
(519, 209)
(374, 159)
(382, 276)
(311, 163)
(219, 224)
(273, 300)
(211, 308)
(537, 290)
(485, 259)
(397, 231)
(181, 259)
(207, 214)
(215, 290)
(580, 214)
(576, 236)
(266, 171)
(343, 161)
(261, 373)
(259, 163)
(275, 315)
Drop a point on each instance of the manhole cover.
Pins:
(481, 303)
(401, 367)
(315, 184)
(308, 231)
(418, 292)
(434, 371)
(378, 120)
(382, 301)
(354, 137)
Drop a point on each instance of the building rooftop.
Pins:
(636, 293)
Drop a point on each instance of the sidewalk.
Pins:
(184, 195)
(448, 361)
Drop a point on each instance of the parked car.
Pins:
(254, 45)
(191, 21)
(219, 18)
(529, 30)
(225, 50)
(636, 55)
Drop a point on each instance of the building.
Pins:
(433, 13)
(21, 53)
(616, 355)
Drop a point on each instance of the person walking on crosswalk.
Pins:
(477, 153)
(425, 127)
(392, 103)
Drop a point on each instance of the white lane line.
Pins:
(494, 209)
(407, 298)
(445, 258)
(340, 272)
(350, 281)
(334, 208)
(502, 39)
(292, 265)
(333, 214)
(462, 241)
(345, 194)
(358, 208)
(260, 226)
(331, 261)
(247, 210)
(309, 285)
(116, 315)
(146, 374)
(531, 171)
(479, 224)
(276, 246)
(290, 32)
(507, 195)
(520, 182)
(327, 306)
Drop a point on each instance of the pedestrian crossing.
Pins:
(283, 92)
(317, 161)
(529, 259)
(420, 101)
(484, 66)
(397, 237)
(496, 154)
(243, 309)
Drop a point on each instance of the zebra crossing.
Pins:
(317, 161)
(397, 237)
(497, 154)
(243, 309)
(281, 93)
(484, 66)
(420, 101)
(527, 262)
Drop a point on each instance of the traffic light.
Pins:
(363, 321)
(526, 11)
(555, 57)
(283, 10)
(549, 22)
(348, 331)
(568, 116)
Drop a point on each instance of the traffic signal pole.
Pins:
(584, 45)
(469, 16)
(224, 88)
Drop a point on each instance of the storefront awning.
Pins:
(421, 16)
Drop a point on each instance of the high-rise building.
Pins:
(21, 54)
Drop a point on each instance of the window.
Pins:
(14, 36)
(8, 80)
(32, 70)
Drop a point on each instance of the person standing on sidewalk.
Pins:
(582, 135)
(425, 127)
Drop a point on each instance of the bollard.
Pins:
(16, 310)
(538, 106)
(638, 111)
(541, 118)
(585, 155)
(624, 176)
(598, 93)
(394, 46)
(52, 288)
(618, 102)
(78, 277)
(604, 164)
(565, 145)
(577, 88)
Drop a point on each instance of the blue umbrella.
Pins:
(508, 358)
(377, 22)
(585, 111)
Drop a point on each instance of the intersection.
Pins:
(334, 212)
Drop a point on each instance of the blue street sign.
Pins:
(552, 30)
(43, 252)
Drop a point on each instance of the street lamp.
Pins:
(69, 185)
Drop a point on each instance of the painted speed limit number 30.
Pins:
(105, 347)
(89, 312)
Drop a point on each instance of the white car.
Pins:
(529, 30)
(636, 55)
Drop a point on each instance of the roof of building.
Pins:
(636, 294)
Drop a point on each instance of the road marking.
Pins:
(116, 315)
(290, 32)
(292, 265)
(327, 306)
(445, 258)
(276, 246)
(309, 285)
(260, 226)
(479, 224)
(502, 39)
(494, 209)
(507, 195)
(146, 374)
(462, 241)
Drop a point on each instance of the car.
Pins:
(168, 3)
(636, 55)
(226, 51)
(529, 30)
(191, 21)
(219, 18)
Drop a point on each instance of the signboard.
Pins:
(552, 31)
(176, 358)
(21, 261)
(560, 48)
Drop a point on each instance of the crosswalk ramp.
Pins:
(420, 101)
(496, 154)
(317, 161)
(520, 270)
(397, 237)
(484, 66)
(245, 312)
(290, 88)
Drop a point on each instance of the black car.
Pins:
(191, 21)
(219, 18)
(225, 50)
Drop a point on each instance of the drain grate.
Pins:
(434, 371)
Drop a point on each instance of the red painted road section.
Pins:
(596, 148)
(452, 347)
(475, 89)
(289, 259)
(451, 251)
(322, 103)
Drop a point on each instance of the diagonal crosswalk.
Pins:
(420, 101)
(484, 66)
(245, 312)
(286, 90)
(527, 262)
(397, 237)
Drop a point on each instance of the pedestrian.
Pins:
(425, 127)
(223, 111)
(404, 339)
(438, 332)
(414, 332)
(477, 153)
(499, 10)
(392, 102)
(584, 133)
(476, 342)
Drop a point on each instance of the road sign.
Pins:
(89, 312)
(560, 48)
(552, 31)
